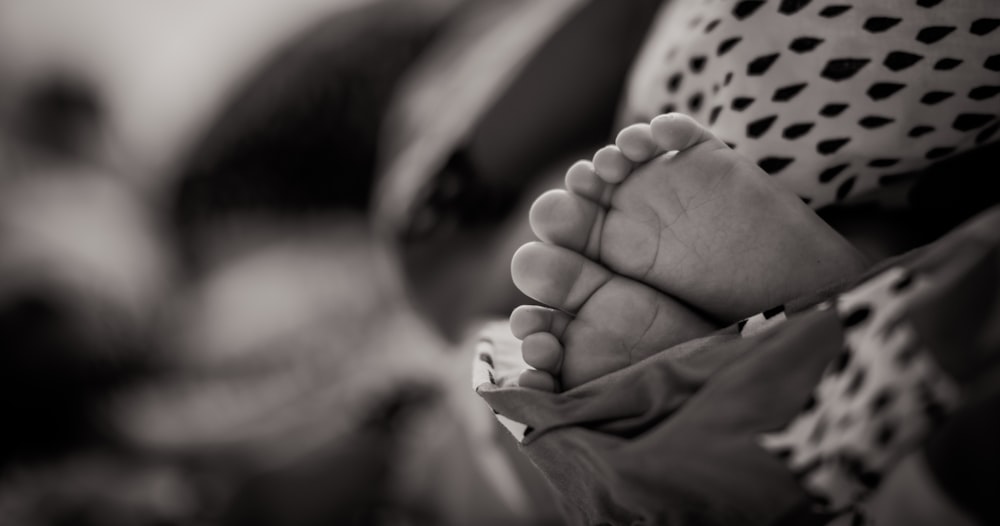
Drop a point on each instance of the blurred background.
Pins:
(245, 246)
(197, 324)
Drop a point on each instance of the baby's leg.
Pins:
(703, 227)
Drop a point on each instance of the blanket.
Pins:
(798, 421)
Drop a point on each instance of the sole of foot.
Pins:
(659, 238)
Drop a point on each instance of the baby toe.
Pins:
(529, 319)
(582, 180)
(611, 164)
(566, 219)
(538, 380)
(542, 351)
(636, 143)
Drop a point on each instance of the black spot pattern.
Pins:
(984, 26)
(857, 316)
(787, 93)
(863, 396)
(760, 65)
(831, 146)
(885, 434)
(843, 68)
(928, 3)
(695, 101)
(900, 60)
(834, 11)
(790, 7)
(875, 121)
(984, 92)
(884, 90)
(878, 24)
(674, 82)
(759, 127)
(697, 63)
(831, 173)
(726, 45)
(746, 8)
(971, 121)
(856, 382)
(797, 130)
(871, 479)
(921, 76)
(845, 188)
(935, 97)
(903, 284)
(741, 103)
(933, 409)
(882, 400)
(842, 361)
(713, 115)
(833, 109)
(805, 44)
(774, 165)
(930, 35)
(947, 64)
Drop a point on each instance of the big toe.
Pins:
(568, 220)
(677, 131)
(556, 276)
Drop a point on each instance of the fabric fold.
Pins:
(717, 430)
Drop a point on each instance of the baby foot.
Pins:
(699, 227)
(616, 321)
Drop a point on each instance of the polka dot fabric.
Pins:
(841, 101)
(876, 401)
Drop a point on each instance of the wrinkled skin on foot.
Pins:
(662, 237)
